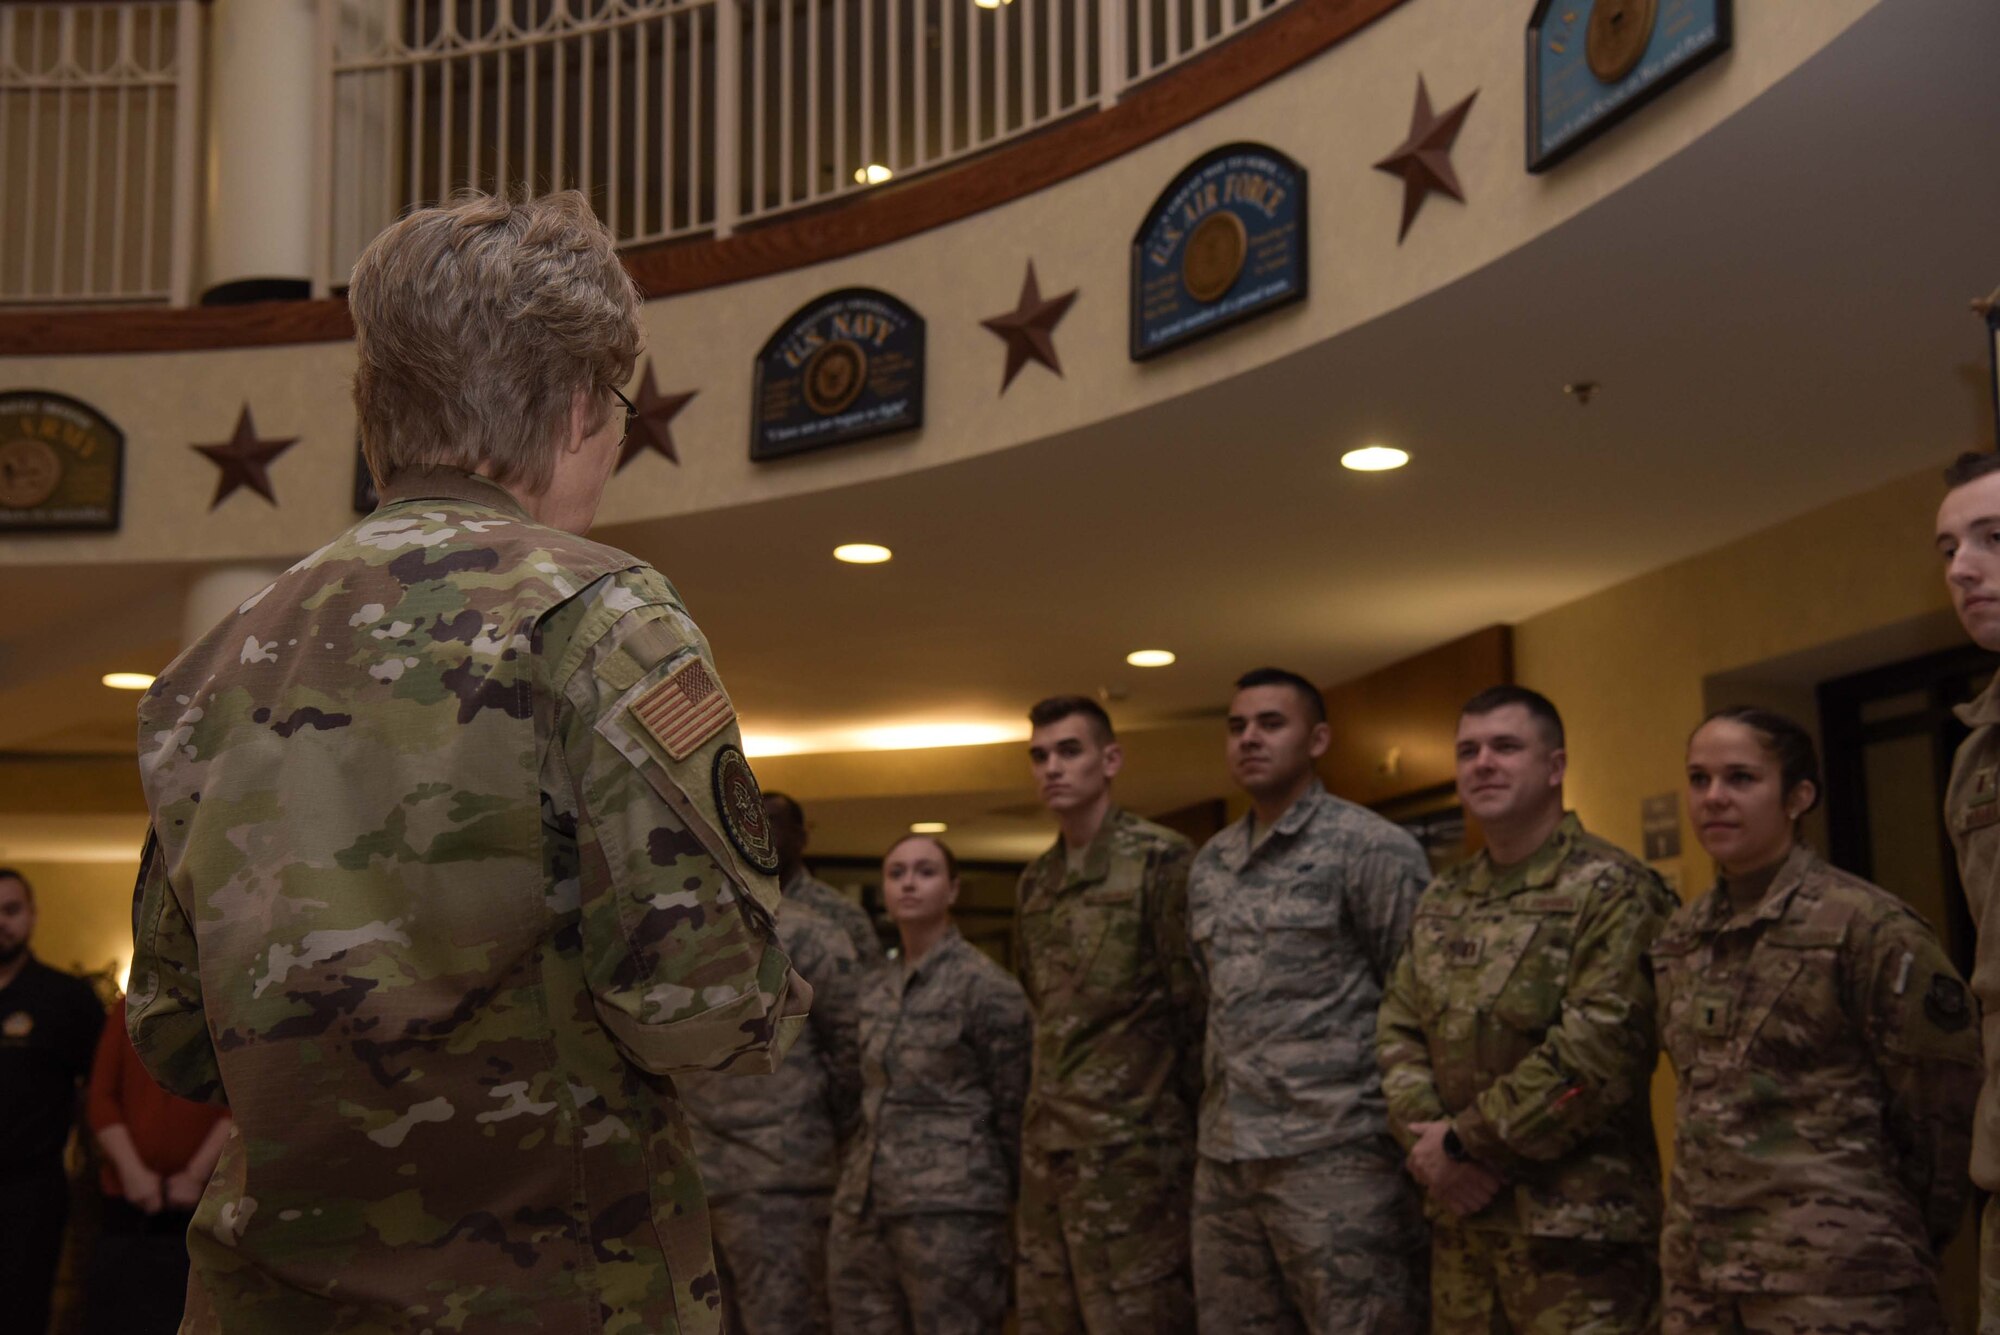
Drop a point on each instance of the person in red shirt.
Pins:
(158, 1152)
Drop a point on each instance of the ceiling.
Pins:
(1776, 318)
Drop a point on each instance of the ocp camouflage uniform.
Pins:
(1523, 1012)
(769, 1145)
(436, 912)
(1108, 1140)
(1829, 1063)
(850, 917)
(1303, 1216)
(1972, 814)
(919, 1243)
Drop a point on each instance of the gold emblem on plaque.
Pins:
(1214, 257)
(1620, 31)
(30, 472)
(834, 377)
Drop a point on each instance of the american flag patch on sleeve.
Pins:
(685, 708)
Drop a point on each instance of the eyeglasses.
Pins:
(631, 412)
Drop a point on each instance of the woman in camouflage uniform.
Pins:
(1827, 1062)
(920, 1243)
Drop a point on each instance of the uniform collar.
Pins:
(1097, 857)
(949, 944)
(1239, 850)
(1984, 710)
(452, 484)
(1538, 871)
(801, 878)
(1776, 901)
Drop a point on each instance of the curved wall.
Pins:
(1335, 115)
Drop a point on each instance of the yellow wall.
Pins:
(1627, 665)
(83, 913)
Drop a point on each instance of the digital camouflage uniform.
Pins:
(1303, 1216)
(919, 1243)
(436, 912)
(1107, 1158)
(769, 1145)
(1523, 1012)
(850, 917)
(1828, 1063)
(1972, 814)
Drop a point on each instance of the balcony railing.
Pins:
(99, 130)
(677, 117)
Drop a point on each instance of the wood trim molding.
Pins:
(1020, 167)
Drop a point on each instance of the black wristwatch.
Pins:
(1454, 1148)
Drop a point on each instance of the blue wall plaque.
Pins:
(1225, 242)
(1591, 63)
(845, 367)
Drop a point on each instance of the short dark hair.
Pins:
(27, 886)
(1271, 676)
(1059, 707)
(1540, 708)
(1969, 467)
(950, 858)
(1785, 739)
(788, 802)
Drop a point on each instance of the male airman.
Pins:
(1968, 537)
(1108, 1137)
(1517, 1046)
(796, 881)
(1303, 1216)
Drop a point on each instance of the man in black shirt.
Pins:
(49, 1022)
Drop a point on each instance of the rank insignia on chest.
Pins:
(685, 709)
(1946, 1005)
(1986, 784)
(1464, 951)
(1711, 1015)
(1978, 816)
(18, 1025)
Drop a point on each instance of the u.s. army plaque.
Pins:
(845, 367)
(1224, 242)
(62, 464)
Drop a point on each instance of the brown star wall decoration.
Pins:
(1424, 159)
(245, 460)
(1029, 329)
(652, 427)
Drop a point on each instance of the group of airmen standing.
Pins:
(1295, 1083)
(462, 896)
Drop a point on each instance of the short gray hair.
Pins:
(477, 324)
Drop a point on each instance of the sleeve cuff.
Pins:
(1482, 1142)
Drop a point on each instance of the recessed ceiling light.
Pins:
(873, 174)
(1374, 459)
(128, 681)
(1150, 658)
(861, 553)
(928, 827)
(992, 4)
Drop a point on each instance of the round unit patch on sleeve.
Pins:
(739, 802)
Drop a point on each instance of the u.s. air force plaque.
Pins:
(1225, 242)
(62, 464)
(845, 367)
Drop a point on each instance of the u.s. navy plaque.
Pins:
(62, 464)
(844, 367)
(1224, 242)
(1591, 63)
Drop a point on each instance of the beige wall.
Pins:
(83, 914)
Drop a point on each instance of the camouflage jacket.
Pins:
(944, 1068)
(454, 858)
(845, 914)
(1829, 1062)
(782, 1132)
(1118, 1011)
(1972, 814)
(1294, 939)
(1523, 1011)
